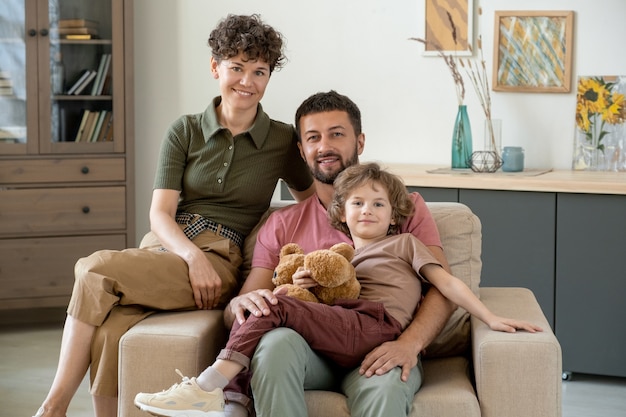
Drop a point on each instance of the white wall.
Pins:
(360, 48)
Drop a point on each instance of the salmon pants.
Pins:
(114, 290)
(344, 333)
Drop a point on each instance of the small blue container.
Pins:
(512, 159)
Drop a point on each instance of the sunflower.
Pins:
(597, 105)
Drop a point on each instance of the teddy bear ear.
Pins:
(290, 249)
(344, 250)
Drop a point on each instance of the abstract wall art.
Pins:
(533, 51)
(448, 27)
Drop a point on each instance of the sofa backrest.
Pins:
(461, 237)
(460, 232)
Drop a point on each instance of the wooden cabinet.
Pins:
(63, 193)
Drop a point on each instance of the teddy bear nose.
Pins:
(274, 276)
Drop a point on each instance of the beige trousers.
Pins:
(114, 290)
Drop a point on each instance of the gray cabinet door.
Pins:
(591, 283)
(518, 241)
(432, 194)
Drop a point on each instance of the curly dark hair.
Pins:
(248, 35)
(357, 175)
(330, 101)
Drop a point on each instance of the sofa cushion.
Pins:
(446, 391)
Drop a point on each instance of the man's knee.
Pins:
(279, 347)
(381, 394)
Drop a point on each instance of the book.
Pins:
(106, 88)
(106, 74)
(103, 69)
(94, 86)
(77, 23)
(80, 37)
(85, 83)
(98, 126)
(6, 91)
(77, 31)
(108, 136)
(78, 80)
(89, 126)
(81, 127)
(104, 126)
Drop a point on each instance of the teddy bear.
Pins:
(330, 268)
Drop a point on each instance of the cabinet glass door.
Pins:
(80, 79)
(15, 57)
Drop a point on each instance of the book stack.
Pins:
(81, 81)
(96, 78)
(78, 29)
(6, 84)
(95, 126)
(102, 74)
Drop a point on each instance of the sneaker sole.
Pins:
(178, 413)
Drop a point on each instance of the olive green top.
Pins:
(227, 179)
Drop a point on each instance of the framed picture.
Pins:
(600, 139)
(448, 27)
(532, 51)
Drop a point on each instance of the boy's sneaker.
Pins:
(186, 399)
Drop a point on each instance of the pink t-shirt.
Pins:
(307, 225)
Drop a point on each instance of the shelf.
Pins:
(82, 41)
(65, 97)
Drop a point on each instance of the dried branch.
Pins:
(451, 63)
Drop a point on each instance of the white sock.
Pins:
(211, 378)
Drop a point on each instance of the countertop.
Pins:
(541, 180)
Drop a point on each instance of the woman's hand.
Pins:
(205, 282)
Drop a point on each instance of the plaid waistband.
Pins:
(196, 224)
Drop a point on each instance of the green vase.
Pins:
(462, 140)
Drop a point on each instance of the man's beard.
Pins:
(331, 177)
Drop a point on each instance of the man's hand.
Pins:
(256, 302)
(389, 355)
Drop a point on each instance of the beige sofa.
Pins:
(469, 370)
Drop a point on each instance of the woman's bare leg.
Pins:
(72, 367)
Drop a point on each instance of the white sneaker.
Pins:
(186, 399)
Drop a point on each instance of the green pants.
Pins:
(284, 366)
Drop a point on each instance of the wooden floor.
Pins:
(28, 358)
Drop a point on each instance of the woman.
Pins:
(216, 175)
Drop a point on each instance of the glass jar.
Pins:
(512, 159)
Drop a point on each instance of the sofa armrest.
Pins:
(517, 374)
(154, 348)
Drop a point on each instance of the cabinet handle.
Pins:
(85, 170)
(43, 32)
(32, 32)
(86, 209)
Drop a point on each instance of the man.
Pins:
(284, 366)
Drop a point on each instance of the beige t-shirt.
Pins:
(388, 273)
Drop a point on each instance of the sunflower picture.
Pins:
(600, 128)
